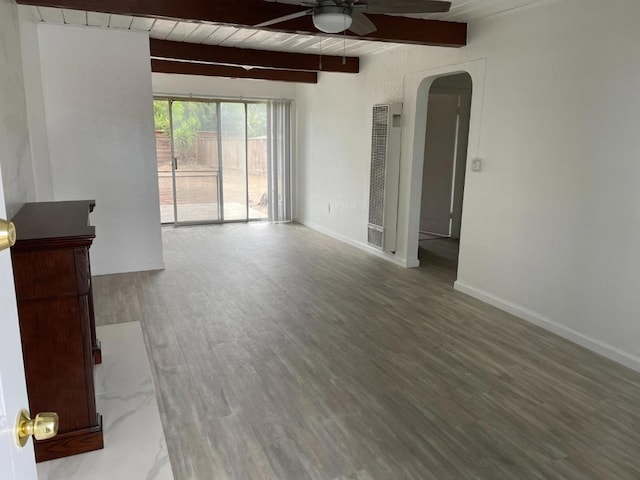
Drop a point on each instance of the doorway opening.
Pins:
(444, 171)
(223, 160)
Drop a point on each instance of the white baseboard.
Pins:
(602, 348)
(355, 243)
(139, 267)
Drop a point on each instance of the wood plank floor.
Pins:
(281, 354)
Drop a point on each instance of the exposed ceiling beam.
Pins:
(189, 68)
(256, 58)
(247, 13)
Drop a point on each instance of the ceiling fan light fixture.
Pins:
(332, 19)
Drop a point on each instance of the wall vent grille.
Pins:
(375, 236)
(378, 163)
(383, 181)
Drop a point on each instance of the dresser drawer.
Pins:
(48, 273)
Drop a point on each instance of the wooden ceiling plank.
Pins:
(74, 17)
(141, 24)
(200, 33)
(258, 38)
(252, 12)
(182, 30)
(120, 21)
(211, 38)
(238, 38)
(188, 68)
(97, 19)
(162, 28)
(292, 41)
(51, 15)
(221, 34)
(256, 58)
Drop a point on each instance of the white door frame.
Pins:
(415, 104)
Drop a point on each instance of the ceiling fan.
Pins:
(335, 16)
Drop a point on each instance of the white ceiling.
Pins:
(212, 34)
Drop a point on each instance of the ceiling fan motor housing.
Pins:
(332, 18)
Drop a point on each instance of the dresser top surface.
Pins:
(54, 220)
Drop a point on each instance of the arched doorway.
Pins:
(444, 170)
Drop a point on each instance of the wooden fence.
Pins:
(204, 153)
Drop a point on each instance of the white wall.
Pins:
(201, 86)
(551, 227)
(15, 153)
(334, 128)
(36, 110)
(96, 87)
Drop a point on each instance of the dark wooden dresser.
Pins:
(55, 307)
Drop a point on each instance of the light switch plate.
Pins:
(476, 165)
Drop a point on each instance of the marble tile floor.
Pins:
(135, 446)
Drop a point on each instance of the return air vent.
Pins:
(385, 175)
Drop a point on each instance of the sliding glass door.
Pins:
(257, 161)
(164, 156)
(196, 165)
(233, 126)
(214, 160)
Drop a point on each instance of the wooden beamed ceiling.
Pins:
(247, 13)
(190, 68)
(194, 52)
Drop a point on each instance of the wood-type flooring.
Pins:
(281, 354)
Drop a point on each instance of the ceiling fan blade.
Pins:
(406, 6)
(303, 13)
(361, 25)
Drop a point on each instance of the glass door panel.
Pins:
(257, 161)
(163, 155)
(213, 160)
(233, 127)
(196, 165)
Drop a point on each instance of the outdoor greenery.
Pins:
(189, 118)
